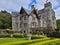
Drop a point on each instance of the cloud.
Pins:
(15, 5)
(31, 3)
(55, 4)
(57, 13)
(56, 7)
(8, 4)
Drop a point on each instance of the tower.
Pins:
(50, 15)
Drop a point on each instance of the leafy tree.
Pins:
(5, 20)
(58, 23)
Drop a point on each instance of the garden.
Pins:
(36, 40)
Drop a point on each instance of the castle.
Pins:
(34, 20)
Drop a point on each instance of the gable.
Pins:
(22, 11)
(34, 11)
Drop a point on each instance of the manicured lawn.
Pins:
(22, 41)
(6, 40)
(48, 42)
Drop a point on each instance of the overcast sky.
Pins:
(15, 5)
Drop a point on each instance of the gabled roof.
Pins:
(34, 11)
(23, 11)
(27, 11)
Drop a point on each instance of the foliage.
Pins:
(4, 35)
(58, 23)
(36, 37)
(19, 35)
(13, 35)
(54, 34)
(5, 20)
(9, 31)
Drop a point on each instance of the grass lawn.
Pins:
(23, 41)
(6, 40)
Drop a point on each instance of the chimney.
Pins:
(48, 5)
(32, 7)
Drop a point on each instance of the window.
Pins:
(53, 17)
(25, 24)
(17, 25)
(25, 18)
(49, 20)
(43, 22)
(20, 25)
(40, 16)
(53, 22)
(34, 24)
(20, 18)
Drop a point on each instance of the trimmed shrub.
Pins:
(4, 35)
(54, 34)
(13, 35)
(18, 35)
(9, 31)
(35, 37)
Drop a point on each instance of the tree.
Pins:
(5, 20)
(58, 23)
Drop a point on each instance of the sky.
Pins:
(15, 5)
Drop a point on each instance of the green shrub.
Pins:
(13, 35)
(25, 35)
(54, 34)
(18, 36)
(9, 31)
(35, 37)
(4, 35)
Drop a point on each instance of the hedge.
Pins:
(54, 34)
(12, 35)
(36, 37)
(4, 35)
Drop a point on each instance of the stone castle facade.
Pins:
(32, 20)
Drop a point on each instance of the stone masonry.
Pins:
(26, 21)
